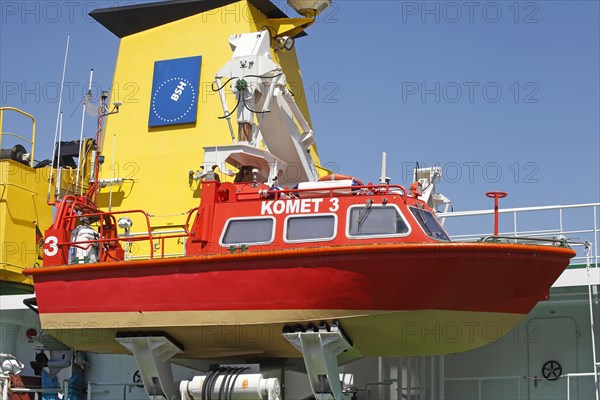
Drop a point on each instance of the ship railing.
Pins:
(326, 192)
(35, 390)
(101, 388)
(161, 236)
(559, 241)
(150, 236)
(104, 219)
(578, 375)
(577, 223)
(21, 138)
(63, 390)
(522, 392)
(480, 380)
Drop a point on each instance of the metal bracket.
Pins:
(152, 355)
(320, 350)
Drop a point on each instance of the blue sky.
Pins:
(504, 95)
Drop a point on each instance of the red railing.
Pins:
(73, 208)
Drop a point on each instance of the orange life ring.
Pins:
(340, 177)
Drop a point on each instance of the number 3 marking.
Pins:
(335, 204)
(52, 249)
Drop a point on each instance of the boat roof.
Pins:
(128, 20)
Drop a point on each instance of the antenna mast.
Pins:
(58, 117)
(86, 99)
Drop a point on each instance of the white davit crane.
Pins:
(265, 110)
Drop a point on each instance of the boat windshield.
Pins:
(430, 224)
(376, 221)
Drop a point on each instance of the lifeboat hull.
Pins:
(391, 300)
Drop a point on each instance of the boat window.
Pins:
(371, 220)
(248, 231)
(310, 228)
(430, 224)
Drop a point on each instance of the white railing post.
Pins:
(560, 221)
(442, 377)
(591, 231)
(595, 244)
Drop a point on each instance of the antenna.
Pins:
(86, 99)
(384, 179)
(97, 157)
(58, 117)
(58, 168)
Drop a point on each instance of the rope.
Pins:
(588, 264)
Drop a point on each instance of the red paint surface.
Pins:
(451, 276)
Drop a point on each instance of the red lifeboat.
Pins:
(376, 260)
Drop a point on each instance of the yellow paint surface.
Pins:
(22, 205)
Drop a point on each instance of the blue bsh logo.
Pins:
(175, 91)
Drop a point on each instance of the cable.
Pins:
(251, 110)
(211, 387)
(241, 98)
(212, 86)
(232, 111)
(264, 76)
(206, 385)
(244, 99)
(225, 371)
(268, 29)
(240, 370)
(225, 383)
(231, 383)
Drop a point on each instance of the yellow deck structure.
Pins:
(22, 207)
(26, 206)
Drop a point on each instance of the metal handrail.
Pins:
(512, 210)
(378, 189)
(102, 241)
(561, 242)
(575, 375)
(149, 236)
(518, 378)
(592, 234)
(481, 379)
(540, 233)
(99, 384)
(33, 125)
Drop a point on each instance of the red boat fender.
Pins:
(340, 177)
